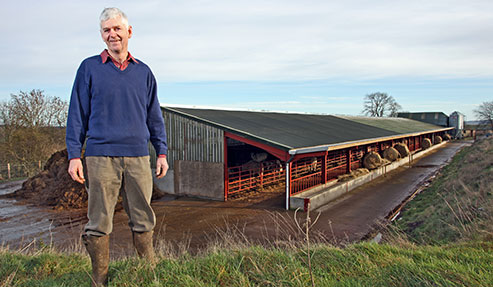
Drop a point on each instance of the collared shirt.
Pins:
(105, 56)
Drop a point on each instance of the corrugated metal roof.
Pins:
(396, 125)
(290, 131)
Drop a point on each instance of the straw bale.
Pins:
(372, 160)
(438, 139)
(391, 154)
(402, 149)
(426, 143)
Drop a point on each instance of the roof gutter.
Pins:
(336, 146)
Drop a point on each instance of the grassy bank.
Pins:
(363, 264)
(443, 238)
(458, 205)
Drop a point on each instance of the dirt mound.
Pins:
(54, 187)
(402, 149)
(391, 154)
(438, 139)
(426, 143)
(372, 160)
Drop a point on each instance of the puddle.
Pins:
(20, 222)
(9, 207)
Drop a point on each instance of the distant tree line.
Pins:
(32, 128)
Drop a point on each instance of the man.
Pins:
(115, 111)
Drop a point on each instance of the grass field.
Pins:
(363, 264)
(444, 237)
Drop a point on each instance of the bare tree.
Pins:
(485, 114)
(32, 128)
(33, 109)
(380, 105)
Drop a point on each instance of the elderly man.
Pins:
(115, 111)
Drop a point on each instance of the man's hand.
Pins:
(76, 171)
(161, 167)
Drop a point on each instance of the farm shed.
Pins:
(434, 118)
(221, 153)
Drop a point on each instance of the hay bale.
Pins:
(372, 160)
(426, 143)
(438, 139)
(447, 137)
(391, 154)
(402, 149)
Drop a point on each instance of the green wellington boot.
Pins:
(98, 248)
(143, 245)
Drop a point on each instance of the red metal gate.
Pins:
(255, 176)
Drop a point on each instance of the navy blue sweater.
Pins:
(116, 111)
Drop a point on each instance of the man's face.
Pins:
(116, 35)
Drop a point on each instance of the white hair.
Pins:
(112, 13)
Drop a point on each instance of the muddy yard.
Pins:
(193, 223)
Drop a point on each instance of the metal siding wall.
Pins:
(192, 140)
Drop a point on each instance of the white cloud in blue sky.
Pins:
(312, 56)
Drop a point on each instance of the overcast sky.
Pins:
(300, 56)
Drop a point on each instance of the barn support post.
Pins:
(324, 168)
(289, 164)
(348, 156)
(226, 175)
(288, 185)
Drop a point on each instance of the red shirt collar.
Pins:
(105, 56)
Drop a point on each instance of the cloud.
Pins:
(318, 39)
(257, 40)
(312, 48)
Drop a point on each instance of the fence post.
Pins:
(261, 175)
(8, 171)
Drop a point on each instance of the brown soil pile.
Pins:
(54, 187)
(402, 149)
(425, 143)
(353, 174)
(391, 154)
(447, 137)
(372, 160)
(438, 139)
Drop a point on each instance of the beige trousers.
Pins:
(106, 176)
